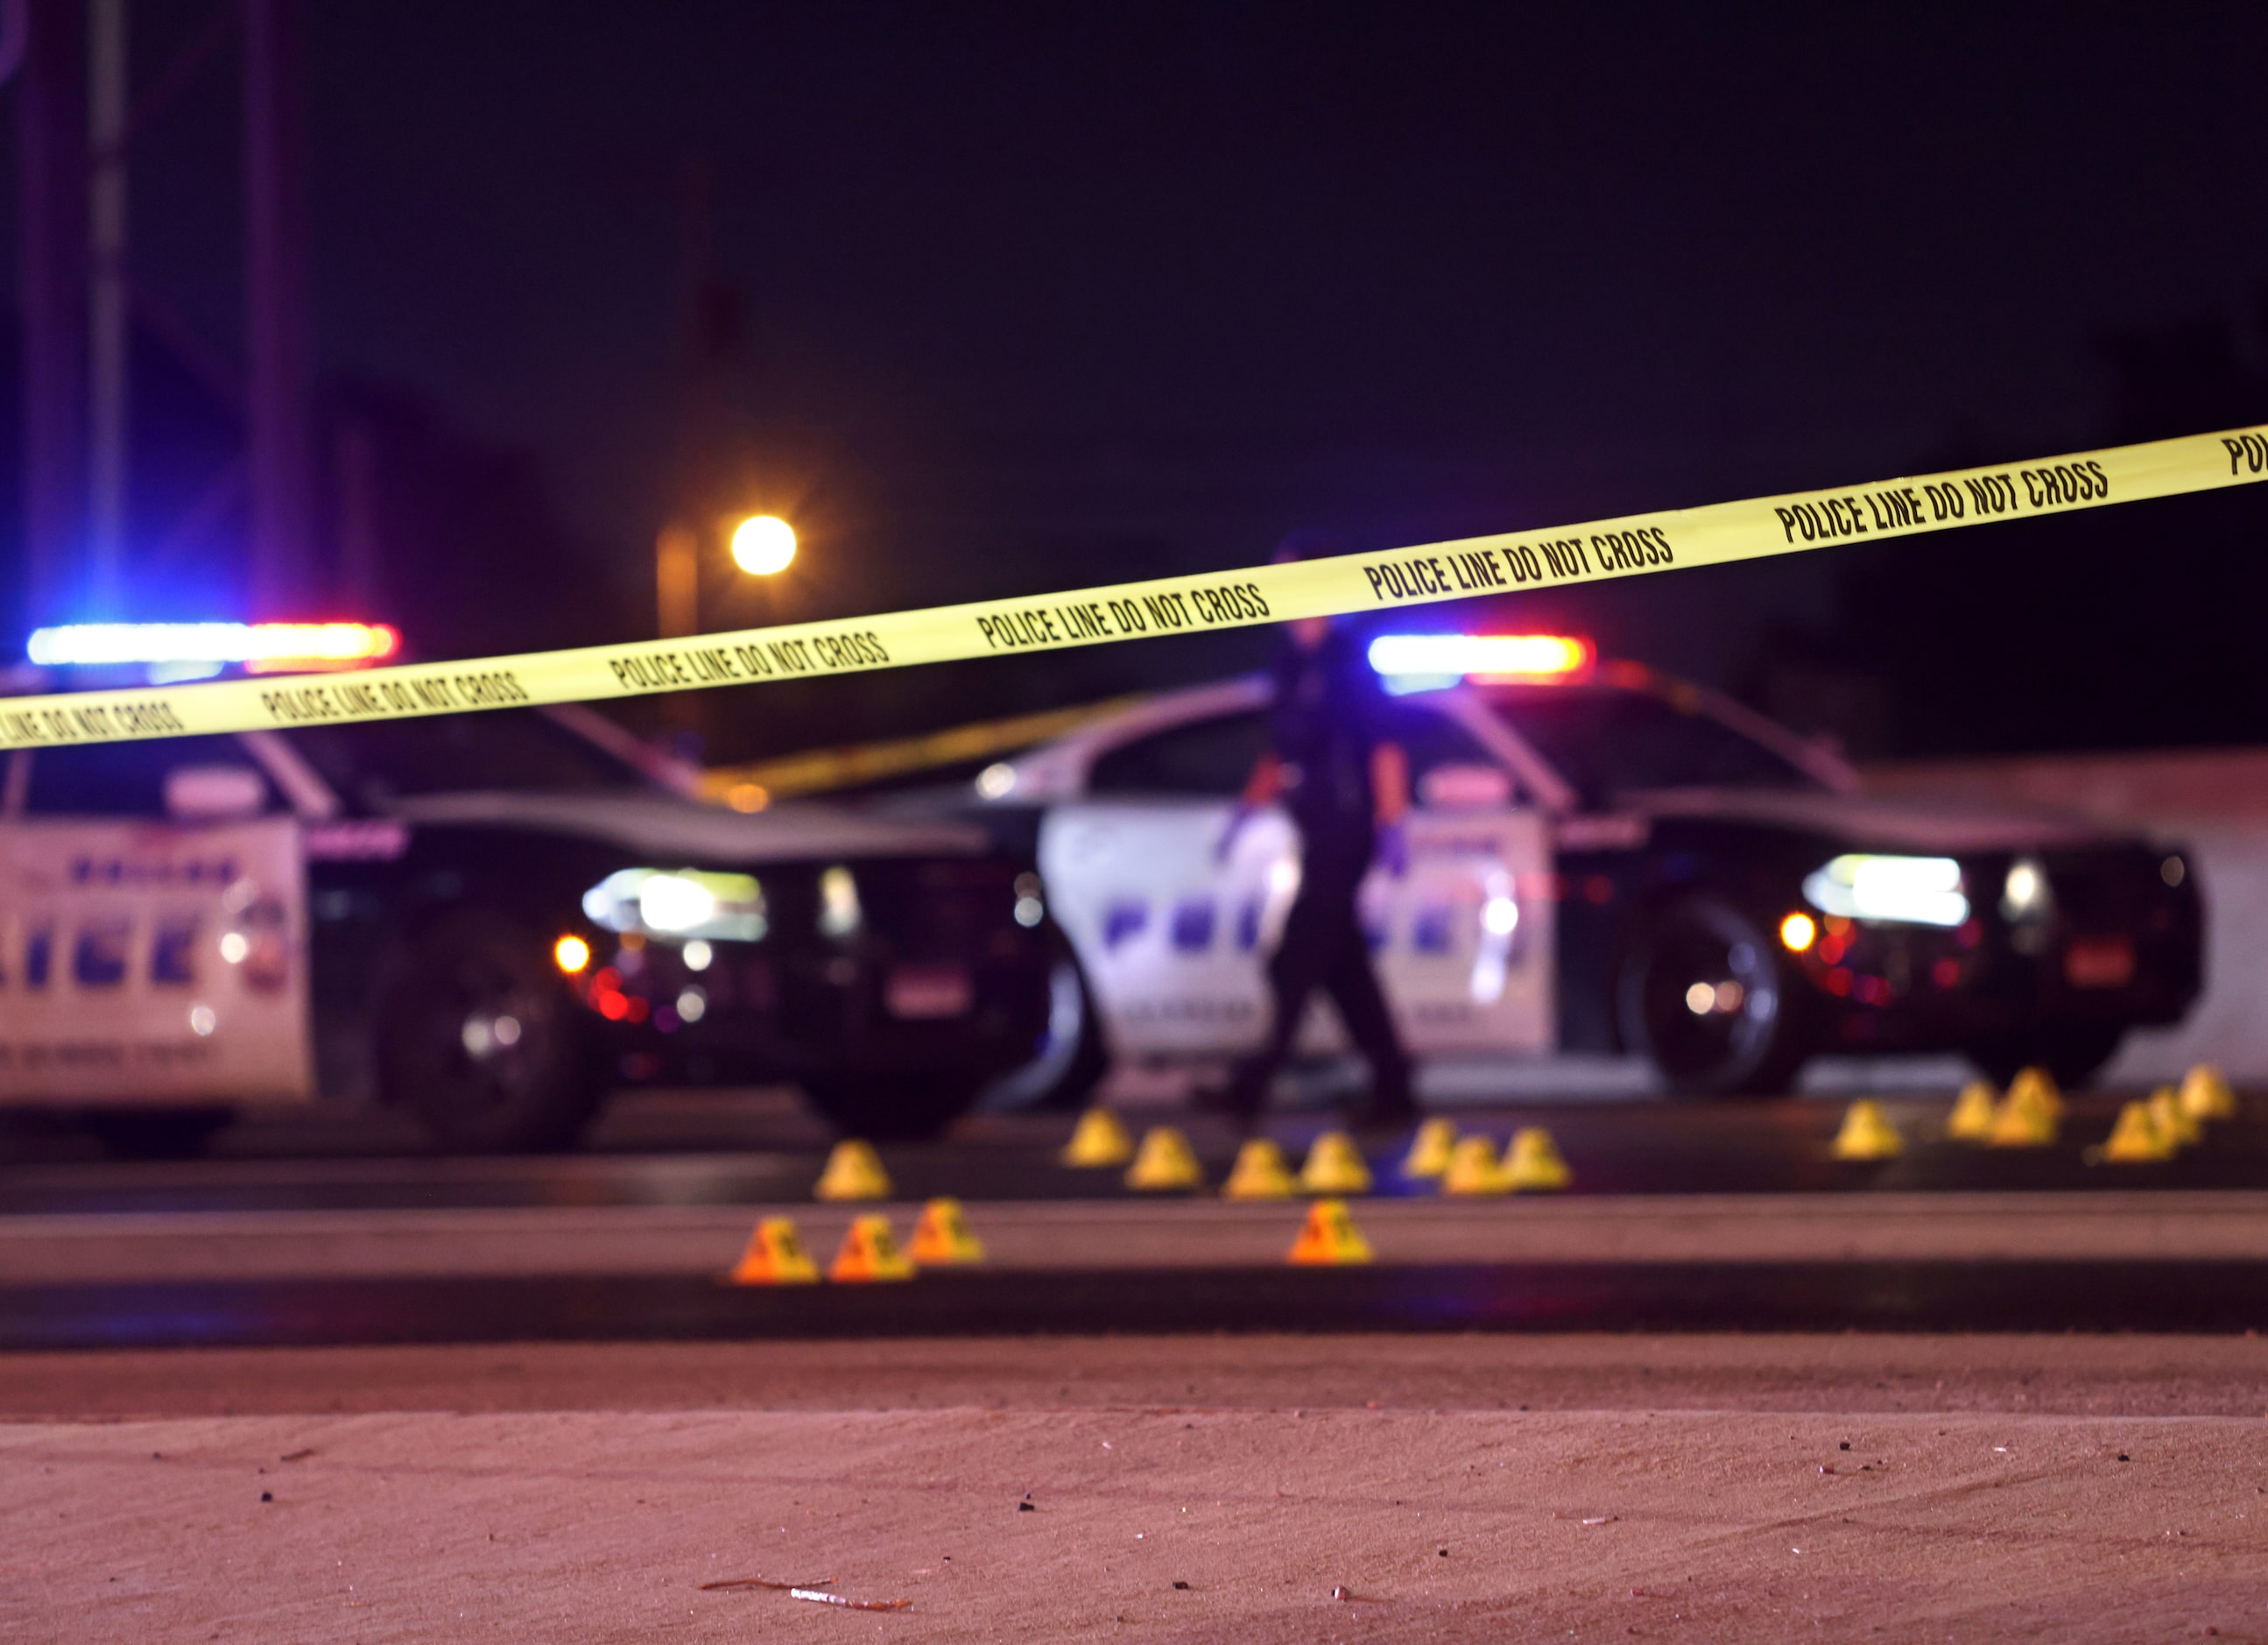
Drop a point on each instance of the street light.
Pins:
(763, 545)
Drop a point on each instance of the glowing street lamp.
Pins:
(763, 545)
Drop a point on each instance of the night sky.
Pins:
(1011, 299)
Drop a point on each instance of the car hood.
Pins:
(1936, 827)
(680, 831)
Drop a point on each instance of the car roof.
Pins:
(1060, 768)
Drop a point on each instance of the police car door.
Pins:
(152, 929)
(1464, 940)
(1172, 936)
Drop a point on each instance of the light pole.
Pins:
(762, 545)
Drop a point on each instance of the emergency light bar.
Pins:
(1448, 658)
(261, 647)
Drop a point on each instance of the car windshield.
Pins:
(1608, 739)
(521, 749)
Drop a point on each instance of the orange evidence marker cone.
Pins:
(1532, 1165)
(1473, 1170)
(775, 1256)
(2023, 1121)
(1430, 1150)
(1866, 1134)
(2038, 1088)
(870, 1252)
(1329, 1238)
(2205, 1093)
(2177, 1128)
(1259, 1173)
(1099, 1140)
(2136, 1139)
(1164, 1162)
(943, 1238)
(1973, 1112)
(1335, 1166)
(854, 1171)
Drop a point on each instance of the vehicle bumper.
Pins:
(2124, 950)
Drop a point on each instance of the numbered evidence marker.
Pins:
(1973, 1112)
(1867, 1134)
(854, 1171)
(943, 1237)
(1259, 1173)
(870, 1252)
(1430, 1150)
(1164, 1162)
(1101, 1140)
(775, 1256)
(2205, 1093)
(1532, 1165)
(1329, 1238)
(2136, 1139)
(1474, 1172)
(1335, 1166)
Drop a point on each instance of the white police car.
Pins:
(1602, 860)
(491, 920)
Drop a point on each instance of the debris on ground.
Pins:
(764, 1581)
(849, 1604)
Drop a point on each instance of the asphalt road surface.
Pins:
(736, 1148)
(1682, 1216)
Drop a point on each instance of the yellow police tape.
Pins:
(1674, 538)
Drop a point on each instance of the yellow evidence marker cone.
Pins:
(2176, 1127)
(2038, 1087)
(1099, 1140)
(775, 1256)
(1164, 1162)
(2136, 1139)
(854, 1171)
(1532, 1165)
(2205, 1093)
(1430, 1149)
(1259, 1173)
(943, 1238)
(1866, 1134)
(2023, 1120)
(1474, 1172)
(1973, 1112)
(1329, 1239)
(870, 1252)
(1333, 1166)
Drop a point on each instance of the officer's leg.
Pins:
(1352, 982)
(1294, 972)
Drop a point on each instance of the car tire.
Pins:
(1757, 1046)
(1073, 1058)
(168, 1134)
(479, 1038)
(893, 1108)
(2073, 1057)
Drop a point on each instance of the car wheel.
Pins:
(478, 1038)
(1704, 996)
(168, 1134)
(2072, 1056)
(1072, 1057)
(892, 1108)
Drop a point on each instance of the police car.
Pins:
(490, 919)
(1603, 860)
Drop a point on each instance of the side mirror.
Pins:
(1464, 788)
(214, 793)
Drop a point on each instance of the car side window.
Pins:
(1431, 740)
(123, 779)
(1212, 757)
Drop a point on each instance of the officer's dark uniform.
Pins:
(1324, 726)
